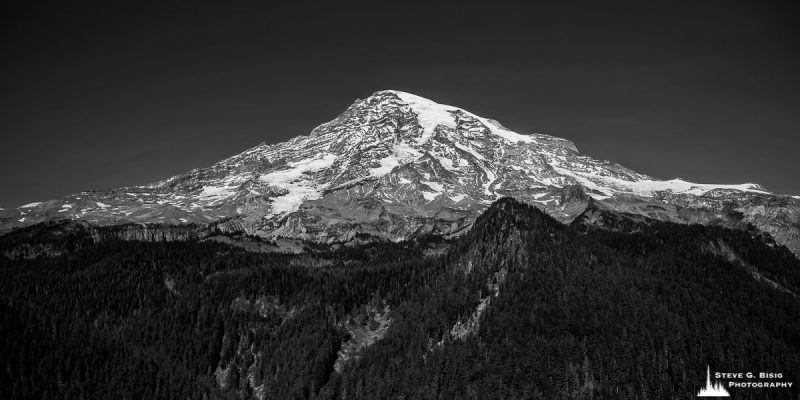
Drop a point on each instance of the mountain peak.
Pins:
(510, 212)
(396, 165)
(431, 115)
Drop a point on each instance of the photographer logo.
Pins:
(724, 381)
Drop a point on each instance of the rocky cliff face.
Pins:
(395, 165)
(150, 232)
(53, 238)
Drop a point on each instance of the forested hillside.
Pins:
(520, 307)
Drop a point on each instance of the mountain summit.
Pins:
(396, 165)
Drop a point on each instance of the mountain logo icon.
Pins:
(712, 390)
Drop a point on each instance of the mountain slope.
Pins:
(520, 307)
(588, 315)
(394, 166)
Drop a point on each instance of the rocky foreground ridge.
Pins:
(395, 166)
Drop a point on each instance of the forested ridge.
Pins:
(566, 312)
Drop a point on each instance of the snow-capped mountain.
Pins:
(396, 165)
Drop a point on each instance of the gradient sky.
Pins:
(96, 96)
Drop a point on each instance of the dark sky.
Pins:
(97, 95)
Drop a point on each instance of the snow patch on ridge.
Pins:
(401, 154)
(647, 187)
(504, 133)
(387, 165)
(429, 114)
(31, 205)
(213, 194)
(430, 196)
(457, 197)
(470, 151)
(299, 187)
(697, 189)
(434, 185)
